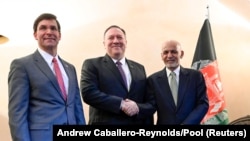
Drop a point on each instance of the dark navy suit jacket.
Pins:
(103, 89)
(192, 104)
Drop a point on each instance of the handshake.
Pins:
(129, 107)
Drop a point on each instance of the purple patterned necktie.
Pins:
(119, 65)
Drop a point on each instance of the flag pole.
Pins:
(208, 16)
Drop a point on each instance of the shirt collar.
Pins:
(48, 58)
(176, 71)
(123, 60)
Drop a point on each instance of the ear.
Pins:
(103, 42)
(60, 35)
(182, 54)
(35, 35)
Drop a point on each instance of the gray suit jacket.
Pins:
(36, 102)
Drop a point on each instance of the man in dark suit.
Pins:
(191, 98)
(113, 101)
(35, 98)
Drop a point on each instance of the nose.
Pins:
(170, 54)
(116, 40)
(49, 30)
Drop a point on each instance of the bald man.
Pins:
(190, 103)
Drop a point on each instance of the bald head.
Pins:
(170, 44)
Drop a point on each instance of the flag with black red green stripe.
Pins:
(205, 60)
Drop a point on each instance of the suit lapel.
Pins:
(45, 69)
(69, 74)
(183, 81)
(133, 73)
(110, 65)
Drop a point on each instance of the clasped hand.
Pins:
(129, 107)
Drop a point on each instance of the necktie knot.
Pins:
(172, 74)
(118, 63)
(54, 60)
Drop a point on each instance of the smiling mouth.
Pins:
(49, 39)
(171, 60)
(116, 46)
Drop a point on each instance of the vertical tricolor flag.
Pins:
(205, 61)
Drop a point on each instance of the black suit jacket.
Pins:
(192, 104)
(103, 89)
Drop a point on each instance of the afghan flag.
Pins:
(205, 61)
